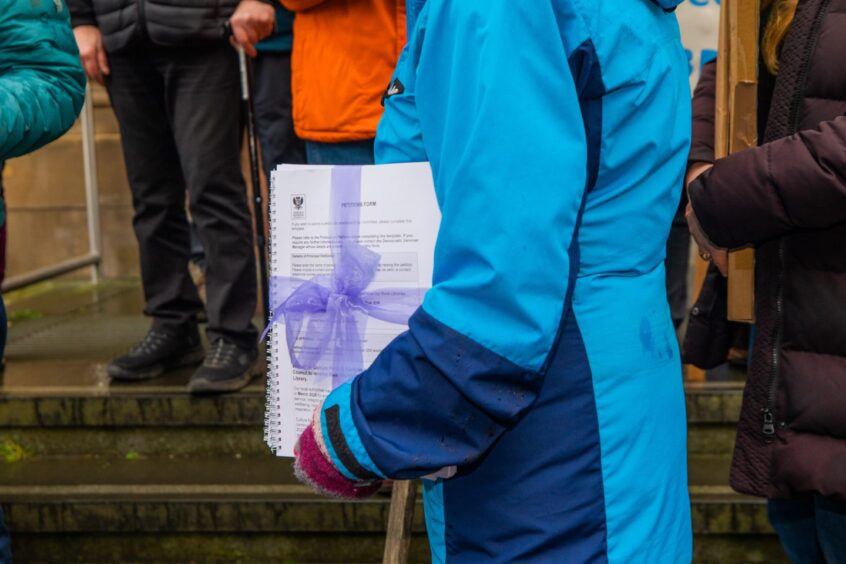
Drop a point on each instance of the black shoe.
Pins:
(227, 368)
(156, 353)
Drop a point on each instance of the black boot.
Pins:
(227, 368)
(158, 352)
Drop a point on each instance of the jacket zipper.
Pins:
(768, 413)
(142, 19)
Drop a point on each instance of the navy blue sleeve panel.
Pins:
(434, 398)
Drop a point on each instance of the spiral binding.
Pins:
(272, 415)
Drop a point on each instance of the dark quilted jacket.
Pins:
(788, 199)
(165, 22)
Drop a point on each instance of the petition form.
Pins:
(351, 258)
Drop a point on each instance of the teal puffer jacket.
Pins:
(42, 84)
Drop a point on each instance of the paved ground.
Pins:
(63, 334)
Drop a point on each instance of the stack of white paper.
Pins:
(398, 220)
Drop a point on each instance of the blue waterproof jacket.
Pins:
(42, 84)
(543, 364)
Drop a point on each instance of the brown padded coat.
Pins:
(788, 199)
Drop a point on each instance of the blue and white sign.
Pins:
(700, 23)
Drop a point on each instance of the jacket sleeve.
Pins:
(302, 5)
(82, 12)
(704, 116)
(509, 159)
(42, 84)
(795, 183)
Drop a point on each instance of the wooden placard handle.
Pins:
(400, 522)
(737, 126)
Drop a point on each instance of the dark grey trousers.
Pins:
(180, 123)
(678, 265)
(274, 116)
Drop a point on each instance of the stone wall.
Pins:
(45, 199)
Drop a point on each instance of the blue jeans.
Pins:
(351, 153)
(812, 529)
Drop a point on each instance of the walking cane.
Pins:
(258, 201)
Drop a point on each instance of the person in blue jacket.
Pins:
(42, 88)
(541, 377)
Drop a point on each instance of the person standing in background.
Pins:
(787, 198)
(274, 114)
(173, 81)
(42, 88)
(274, 121)
(344, 55)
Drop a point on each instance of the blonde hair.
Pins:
(781, 16)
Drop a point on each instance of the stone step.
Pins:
(201, 510)
(163, 403)
(340, 548)
(133, 407)
(334, 548)
(713, 403)
(731, 528)
(253, 510)
(253, 496)
(712, 413)
(237, 522)
(90, 473)
(148, 421)
(159, 418)
(238, 548)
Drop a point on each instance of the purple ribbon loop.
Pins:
(330, 311)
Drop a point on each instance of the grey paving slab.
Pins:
(63, 335)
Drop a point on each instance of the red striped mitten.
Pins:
(314, 468)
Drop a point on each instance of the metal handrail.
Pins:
(92, 208)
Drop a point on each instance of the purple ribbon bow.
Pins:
(330, 311)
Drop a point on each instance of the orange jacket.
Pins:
(344, 56)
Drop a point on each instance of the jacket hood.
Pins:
(668, 5)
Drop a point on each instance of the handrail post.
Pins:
(92, 198)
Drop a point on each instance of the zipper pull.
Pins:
(769, 425)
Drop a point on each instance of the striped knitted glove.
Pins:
(314, 467)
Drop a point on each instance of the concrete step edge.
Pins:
(267, 492)
(165, 406)
(286, 510)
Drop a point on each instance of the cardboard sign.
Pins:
(737, 126)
